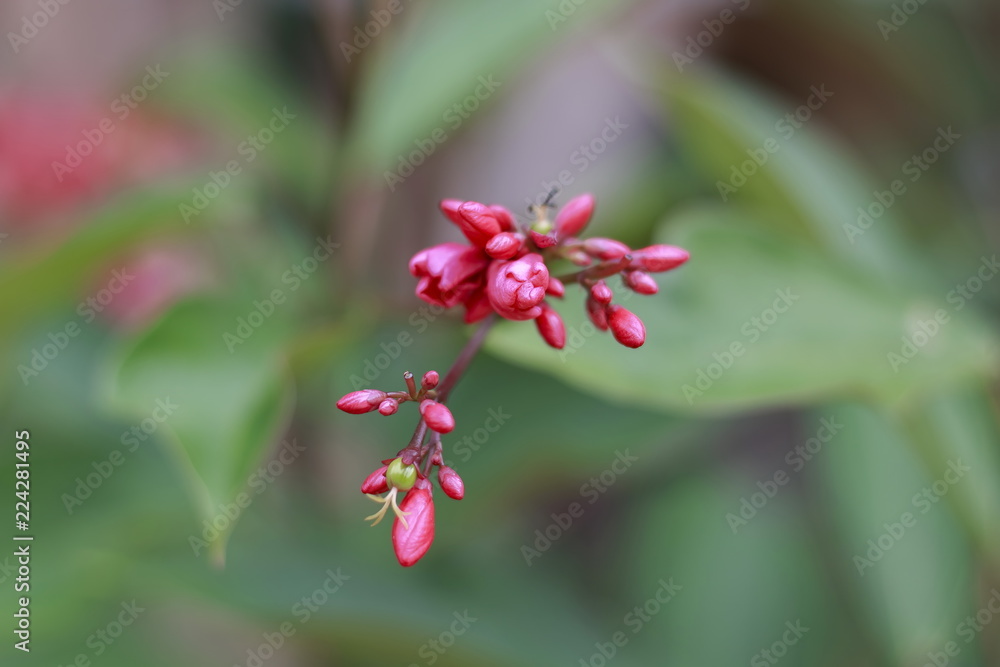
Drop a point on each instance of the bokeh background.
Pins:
(206, 210)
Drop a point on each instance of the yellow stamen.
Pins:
(386, 502)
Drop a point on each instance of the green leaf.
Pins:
(903, 554)
(751, 581)
(811, 186)
(443, 58)
(960, 426)
(231, 404)
(717, 339)
(55, 274)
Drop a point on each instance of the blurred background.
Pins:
(206, 212)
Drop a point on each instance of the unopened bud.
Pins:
(451, 483)
(550, 326)
(556, 288)
(597, 312)
(437, 416)
(626, 327)
(430, 380)
(375, 483)
(575, 215)
(658, 258)
(360, 402)
(601, 292)
(640, 282)
(504, 245)
(604, 249)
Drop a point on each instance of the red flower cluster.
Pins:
(504, 269)
(413, 528)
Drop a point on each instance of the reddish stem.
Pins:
(454, 374)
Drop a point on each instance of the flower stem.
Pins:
(464, 358)
(454, 374)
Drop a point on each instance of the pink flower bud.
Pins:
(551, 327)
(597, 312)
(504, 217)
(626, 327)
(641, 282)
(601, 292)
(579, 257)
(437, 416)
(658, 258)
(575, 215)
(448, 273)
(543, 240)
(430, 380)
(360, 402)
(505, 245)
(603, 248)
(451, 483)
(411, 542)
(376, 483)
(477, 306)
(555, 288)
(450, 208)
(478, 223)
(388, 407)
(516, 287)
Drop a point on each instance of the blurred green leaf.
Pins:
(454, 50)
(903, 553)
(230, 400)
(44, 278)
(811, 186)
(961, 426)
(757, 582)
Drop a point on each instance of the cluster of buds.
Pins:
(408, 473)
(504, 268)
